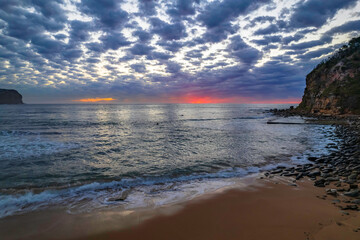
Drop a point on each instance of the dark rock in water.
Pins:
(122, 196)
(312, 159)
(10, 97)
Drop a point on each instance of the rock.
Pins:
(124, 194)
(353, 193)
(349, 207)
(319, 183)
(299, 176)
(352, 177)
(314, 174)
(356, 201)
(332, 179)
(276, 171)
(345, 213)
(331, 192)
(8, 96)
(312, 159)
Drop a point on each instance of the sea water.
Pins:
(88, 157)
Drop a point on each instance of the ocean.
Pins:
(82, 158)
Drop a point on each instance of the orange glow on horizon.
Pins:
(94, 100)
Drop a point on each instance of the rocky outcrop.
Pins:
(333, 87)
(8, 96)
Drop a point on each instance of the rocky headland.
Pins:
(332, 96)
(9, 96)
(333, 87)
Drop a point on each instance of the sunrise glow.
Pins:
(94, 100)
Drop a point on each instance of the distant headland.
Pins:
(10, 96)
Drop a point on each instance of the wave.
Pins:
(13, 133)
(100, 194)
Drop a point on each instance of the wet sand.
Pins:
(252, 209)
(271, 210)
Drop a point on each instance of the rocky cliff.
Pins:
(10, 97)
(333, 87)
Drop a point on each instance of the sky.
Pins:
(171, 51)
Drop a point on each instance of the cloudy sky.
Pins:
(159, 51)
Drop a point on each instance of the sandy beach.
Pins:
(267, 210)
(254, 208)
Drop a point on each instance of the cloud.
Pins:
(315, 13)
(345, 28)
(107, 12)
(242, 51)
(268, 30)
(59, 49)
(168, 31)
(139, 68)
(218, 15)
(140, 49)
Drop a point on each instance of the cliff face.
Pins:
(333, 87)
(10, 97)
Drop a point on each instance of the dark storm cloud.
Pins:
(315, 13)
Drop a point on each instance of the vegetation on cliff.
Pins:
(333, 87)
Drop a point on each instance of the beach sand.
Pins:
(251, 209)
(271, 210)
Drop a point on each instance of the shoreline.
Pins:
(269, 209)
(256, 207)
